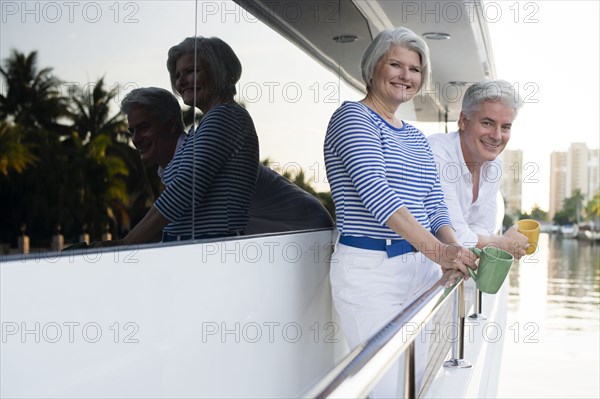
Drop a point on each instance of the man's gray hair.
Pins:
(160, 102)
(491, 90)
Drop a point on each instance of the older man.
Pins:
(469, 167)
(157, 130)
(155, 124)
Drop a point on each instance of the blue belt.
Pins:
(392, 247)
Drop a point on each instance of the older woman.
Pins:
(395, 233)
(210, 182)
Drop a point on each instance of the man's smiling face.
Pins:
(485, 133)
(152, 137)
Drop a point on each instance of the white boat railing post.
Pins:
(478, 315)
(457, 360)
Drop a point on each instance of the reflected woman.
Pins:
(210, 182)
(395, 232)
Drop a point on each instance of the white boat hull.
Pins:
(242, 318)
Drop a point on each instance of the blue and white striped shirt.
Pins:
(374, 169)
(217, 167)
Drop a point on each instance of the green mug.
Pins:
(494, 265)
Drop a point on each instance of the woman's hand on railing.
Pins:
(457, 258)
(450, 278)
(451, 255)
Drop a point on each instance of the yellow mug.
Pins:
(531, 229)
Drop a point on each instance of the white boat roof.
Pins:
(464, 58)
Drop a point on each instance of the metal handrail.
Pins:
(361, 369)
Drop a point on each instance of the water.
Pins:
(551, 347)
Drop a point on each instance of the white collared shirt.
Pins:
(468, 219)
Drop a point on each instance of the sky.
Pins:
(549, 49)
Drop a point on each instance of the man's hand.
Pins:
(514, 242)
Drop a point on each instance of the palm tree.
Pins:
(14, 154)
(100, 152)
(592, 208)
(30, 109)
(33, 99)
(571, 209)
(87, 172)
(91, 113)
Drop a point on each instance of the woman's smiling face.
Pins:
(397, 76)
(192, 82)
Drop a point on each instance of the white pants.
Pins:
(369, 289)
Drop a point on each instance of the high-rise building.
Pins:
(593, 173)
(576, 169)
(512, 179)
(558, 182)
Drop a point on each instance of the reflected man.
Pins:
(156, 126)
